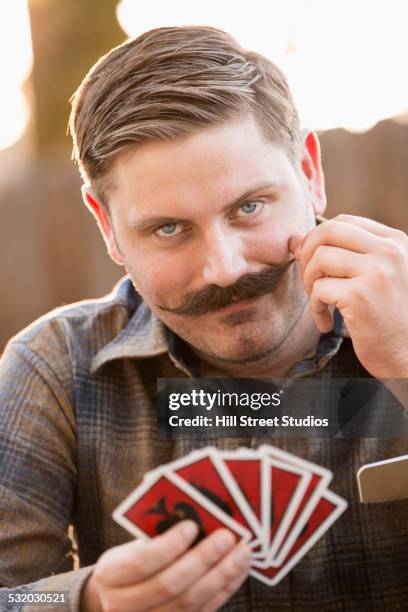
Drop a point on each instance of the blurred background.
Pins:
(346, 62)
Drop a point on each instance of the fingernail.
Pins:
(224, 541)
(189, 529)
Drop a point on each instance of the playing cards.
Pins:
(275, 501)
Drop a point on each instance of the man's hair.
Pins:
(169, 83)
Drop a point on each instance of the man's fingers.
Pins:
(379, 229)
(328, 291)
(337, 234)
(295, 242)
(136, 561)
(181, 575)
(332, 261)
(222, 580)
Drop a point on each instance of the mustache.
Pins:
(248, 286)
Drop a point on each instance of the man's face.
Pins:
(197, 215)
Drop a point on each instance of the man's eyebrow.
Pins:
(267, 184)
(146, 223)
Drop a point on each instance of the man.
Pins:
(205, 190)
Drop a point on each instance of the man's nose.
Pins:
(224, 259)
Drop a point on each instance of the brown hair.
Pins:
(168, 83)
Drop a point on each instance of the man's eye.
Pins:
(169, 229)
(249, 208)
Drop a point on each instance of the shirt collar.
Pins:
(328, 345)
(143, 336)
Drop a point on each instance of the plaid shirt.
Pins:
(78, 431)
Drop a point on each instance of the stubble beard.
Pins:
(255, 345)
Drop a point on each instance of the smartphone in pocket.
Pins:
(383, 480)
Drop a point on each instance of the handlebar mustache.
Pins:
(212, 297)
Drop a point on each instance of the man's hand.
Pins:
(163, 575)
(361, 267)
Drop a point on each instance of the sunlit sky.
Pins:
(15, 66)
(345, 59)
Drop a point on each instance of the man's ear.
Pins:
(104, 222)
(312, 169)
